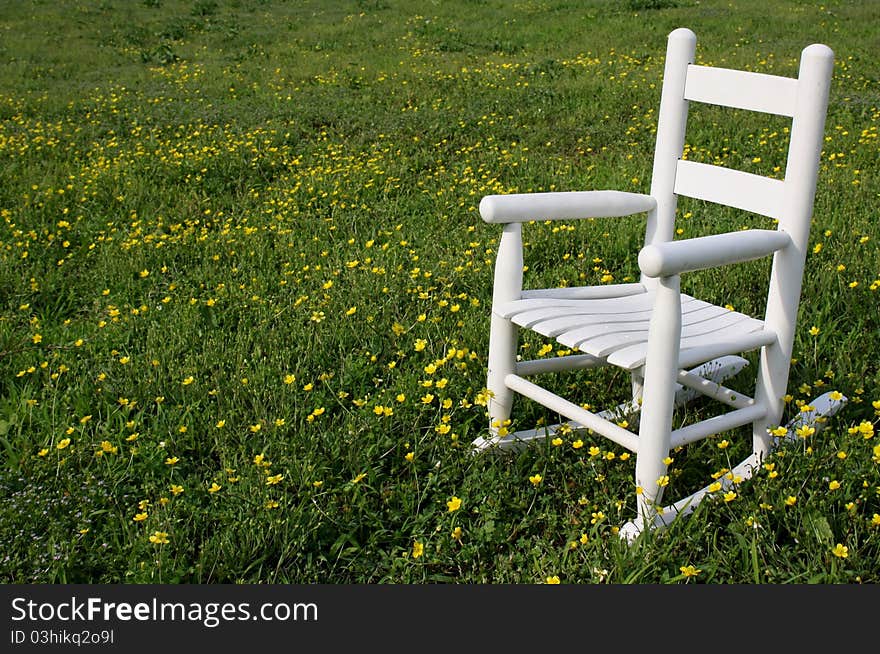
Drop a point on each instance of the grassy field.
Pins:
(244, 290)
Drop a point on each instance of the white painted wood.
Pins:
(525, 207)
(574, 412)
(741, 89)
(603, 323)
(524, 437)
(660, 373)
(603, 335)
(557, 364)
(714, 390)
(825, 408)
(585, 292)
(676, 257)
(685, 506)
(650, 328)
(671, 124)
(786, 276)
(712, 372)
(503, 333)
(702, 348)
(716, 425)
(735, 188)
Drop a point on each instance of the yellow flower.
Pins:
(274, 479)
(289, 379)
(271, 504)
(840, 551)
(360, 477)
(536, 479)
(805, 431)
(663, 481)
(556, 442)
(171, 460)
(723, 445)
(159, 538)
(43, 452)
(714, 487)
(594, 451)
(457, 534)
(834, 485)
(64, 442)
(140, 517)
(689, 571)
(791, 500)
(188, 380)
(454, 504)
(418, 549)
(814, 331)
(552, 580)
(729, 496)
(176, 489)
(578, 444)
(214, 487)
(255, 428)
(875, 521)
(409, 456)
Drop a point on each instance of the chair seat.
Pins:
(616, 329)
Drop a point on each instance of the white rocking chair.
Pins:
(674, 346)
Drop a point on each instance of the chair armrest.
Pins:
(523, 207)
(674, 257)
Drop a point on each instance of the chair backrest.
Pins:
(804, 99)
(790, 201)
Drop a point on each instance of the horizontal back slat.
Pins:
(734, 188)
(741, 89)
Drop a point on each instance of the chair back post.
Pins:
(786, 276)
(671, 124)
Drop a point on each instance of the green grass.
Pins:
(240, 246)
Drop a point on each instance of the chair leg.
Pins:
(503, 333)
(771, 386)
(502, 362)
(661, 373)
(638, 383)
